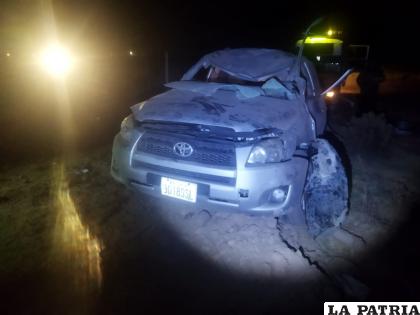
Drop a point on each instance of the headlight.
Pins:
(330, 94)
(272, 151)
(127, 128)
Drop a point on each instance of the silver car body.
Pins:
(203, 133)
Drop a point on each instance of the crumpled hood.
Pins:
(222, 109)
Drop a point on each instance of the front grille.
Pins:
(205, 151)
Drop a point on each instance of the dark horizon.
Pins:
(196, 28)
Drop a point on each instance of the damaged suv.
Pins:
(242, 130)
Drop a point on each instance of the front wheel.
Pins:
(325, 196)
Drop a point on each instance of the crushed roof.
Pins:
(253, 64)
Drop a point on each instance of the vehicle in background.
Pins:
(332, 57)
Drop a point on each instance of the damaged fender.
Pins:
(325, 198)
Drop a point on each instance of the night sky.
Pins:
(194, 27)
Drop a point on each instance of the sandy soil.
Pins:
(73, 241)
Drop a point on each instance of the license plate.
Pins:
(178, 189)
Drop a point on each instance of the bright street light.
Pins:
(56, 60)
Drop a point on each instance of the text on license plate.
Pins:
(178, 189)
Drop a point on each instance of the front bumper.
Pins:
(242, 188)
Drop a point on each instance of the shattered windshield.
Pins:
(217, 75)
(271, 87)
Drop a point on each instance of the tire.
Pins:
(325, 197)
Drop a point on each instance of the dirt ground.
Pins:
(73, 241)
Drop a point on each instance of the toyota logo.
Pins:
(183, 149)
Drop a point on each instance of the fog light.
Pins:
(279, 194)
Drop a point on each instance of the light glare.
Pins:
(56, 60)
(330, 94)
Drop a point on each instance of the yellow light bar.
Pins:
(319, 40)
(322, 40)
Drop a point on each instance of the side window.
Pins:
(201, 75)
